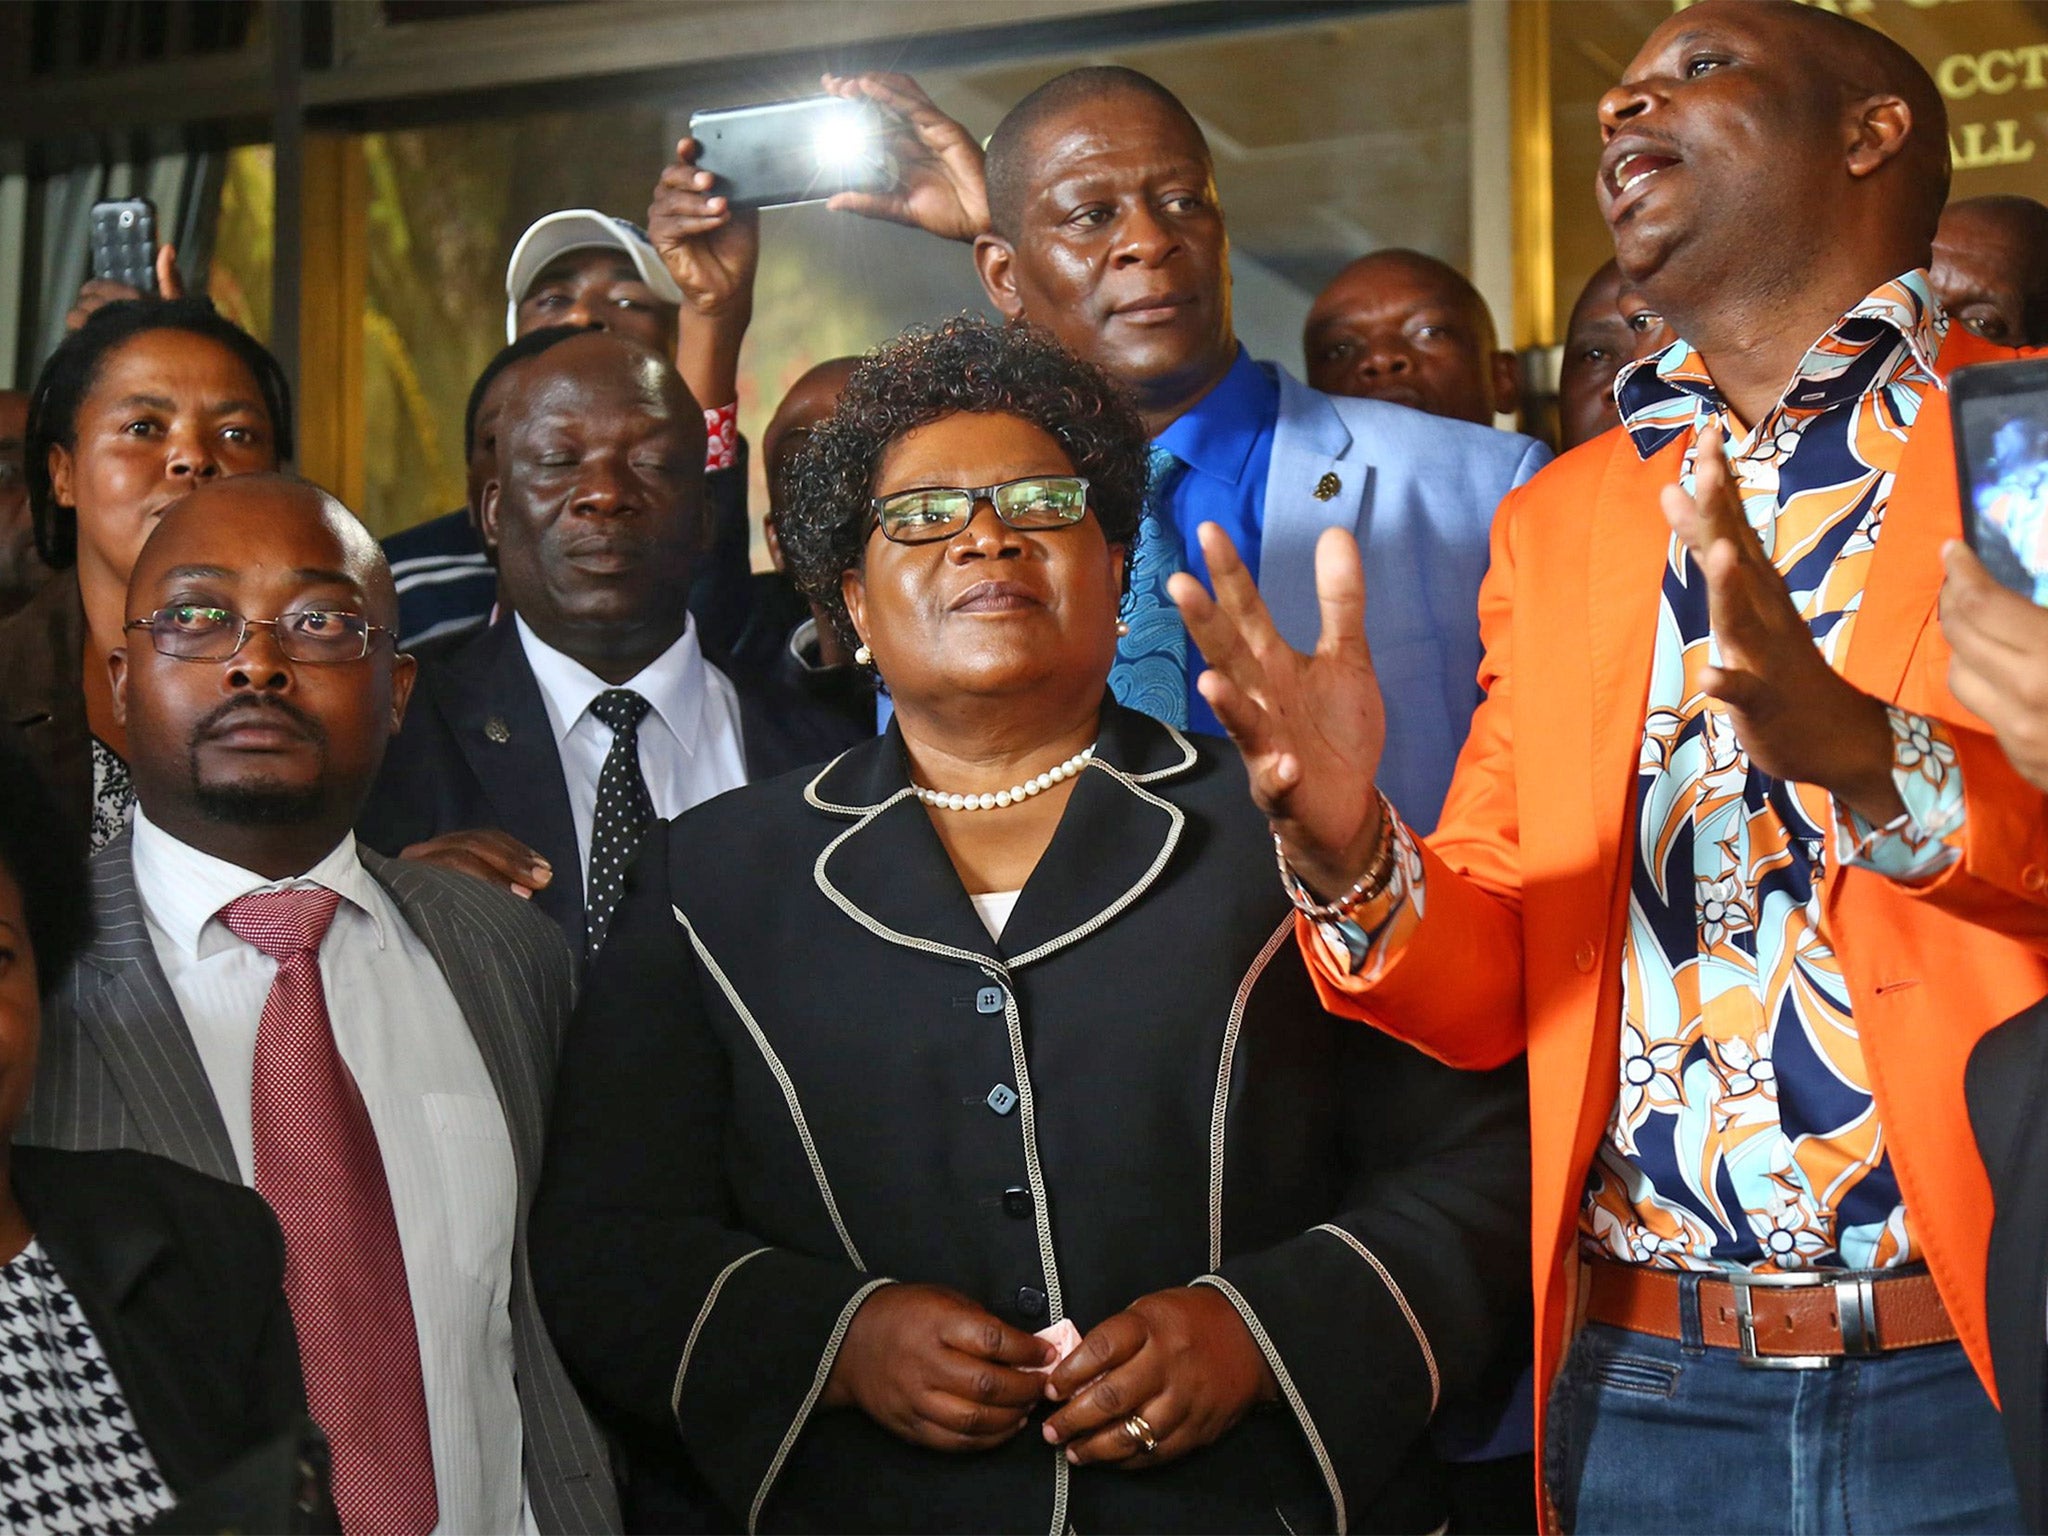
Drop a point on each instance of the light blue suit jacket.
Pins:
(1419, 493)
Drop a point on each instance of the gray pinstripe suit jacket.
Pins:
(118, 1068)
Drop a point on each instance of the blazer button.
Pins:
(1017, 1201)
(1002, 1098)
(1031, 1301)
(989, 1000)
(1585, 957)
(2033, 877)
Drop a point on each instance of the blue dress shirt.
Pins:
(1226, 442)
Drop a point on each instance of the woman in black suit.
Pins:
(933, 1169)
(145, 1343)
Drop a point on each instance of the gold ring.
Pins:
(1136, 1427)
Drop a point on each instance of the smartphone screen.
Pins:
(788, 152)
(2001, 429)
(123, 241)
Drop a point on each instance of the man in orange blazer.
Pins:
(1723, 855)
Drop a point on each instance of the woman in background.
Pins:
(146, 399)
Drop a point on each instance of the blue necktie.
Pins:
(1151, 671)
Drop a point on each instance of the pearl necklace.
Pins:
(1016, 794)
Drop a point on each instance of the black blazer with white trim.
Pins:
(801, 1069)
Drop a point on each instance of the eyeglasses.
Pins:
(318, 635)
(933, 512)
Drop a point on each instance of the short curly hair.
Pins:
(966, 365)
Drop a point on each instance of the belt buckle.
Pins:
(1855, 1312)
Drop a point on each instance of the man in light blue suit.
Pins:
(1096, 217)
(1419, 492)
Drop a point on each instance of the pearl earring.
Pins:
(863, 657)
(1122, 629)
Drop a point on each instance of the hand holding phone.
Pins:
(2000, 413)
(124, 243)
(940, 185)
(709, 248)
(786, 152)
(127, 263)
(1998, 660)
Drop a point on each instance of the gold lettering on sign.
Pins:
(1993, 72)
(1839, 7)
(1978, 150)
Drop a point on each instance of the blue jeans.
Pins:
(1649, 1435)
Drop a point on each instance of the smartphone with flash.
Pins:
(786, 152)
(2000, 413)
(123, 240)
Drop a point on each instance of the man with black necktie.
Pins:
(588, 709)
(369, 1043)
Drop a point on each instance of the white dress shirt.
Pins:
(447, 1155)
(689, 740)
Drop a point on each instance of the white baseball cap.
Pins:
(581, 229)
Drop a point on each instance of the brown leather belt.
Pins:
(1801, 1321)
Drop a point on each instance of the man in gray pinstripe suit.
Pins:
(258, 690)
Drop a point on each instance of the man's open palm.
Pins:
(1311, 728)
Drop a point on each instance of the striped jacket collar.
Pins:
(124, 1001)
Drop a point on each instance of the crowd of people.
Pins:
(538, 1027)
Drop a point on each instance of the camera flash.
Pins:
(840, 142)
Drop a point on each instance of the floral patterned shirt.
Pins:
(1744, 1132)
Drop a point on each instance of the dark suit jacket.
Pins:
(477, 751)
(42, 694)
(182, 1279)
(763, 650)
(118, 1068)
(801, 1068)
(2007, 1085)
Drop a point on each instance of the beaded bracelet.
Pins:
(1369, 886)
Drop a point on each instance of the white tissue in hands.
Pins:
(1062, 1336)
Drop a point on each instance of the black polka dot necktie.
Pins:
(624, 809)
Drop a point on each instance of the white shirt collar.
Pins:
(673, 683)
(183, 889)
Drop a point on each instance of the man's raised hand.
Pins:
(939, 184)
(709, 249)
(1311, 728)
(1795, 716)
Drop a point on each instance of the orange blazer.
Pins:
(1528, 871)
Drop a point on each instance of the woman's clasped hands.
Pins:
(1169, 1374)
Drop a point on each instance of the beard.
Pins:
(258, 802)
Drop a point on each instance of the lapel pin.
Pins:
(1328, 486)
(497, 730)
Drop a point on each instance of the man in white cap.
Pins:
(581, 267)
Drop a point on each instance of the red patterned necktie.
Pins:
(318, 1165)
